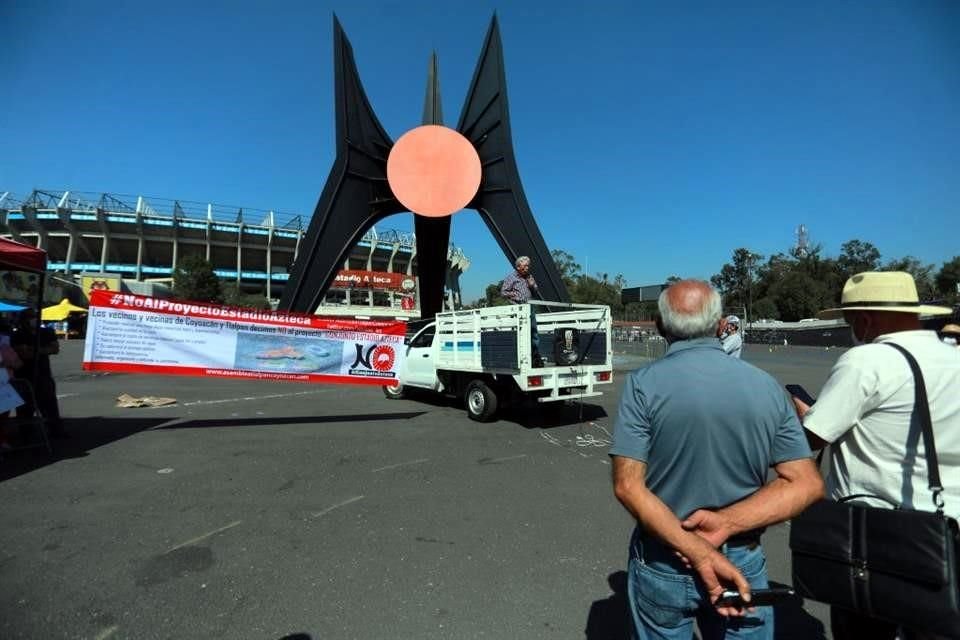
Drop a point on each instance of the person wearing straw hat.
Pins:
(865, 407)
(950, 333)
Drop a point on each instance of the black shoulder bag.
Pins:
(893, 564)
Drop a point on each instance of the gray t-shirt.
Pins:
(708, 426)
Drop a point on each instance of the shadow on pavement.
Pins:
(554, 414)
(609, 619)
(85, 434)
(297, 636)
(793, 622)
(267, 421)
(546, 415)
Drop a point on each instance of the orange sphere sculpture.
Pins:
(433, 171)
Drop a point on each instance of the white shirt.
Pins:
(732, 343)
(865, 409)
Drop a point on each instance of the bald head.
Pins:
(690, 309)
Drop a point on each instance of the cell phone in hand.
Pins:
(758, 598)
(801, 394)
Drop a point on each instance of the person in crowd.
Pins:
(9, 398)
(695, 436)
(25, 340)
(730, 336)
(518, 287)
(864, 411)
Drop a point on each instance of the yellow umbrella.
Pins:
(60, 311)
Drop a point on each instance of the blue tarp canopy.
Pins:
(6, 306)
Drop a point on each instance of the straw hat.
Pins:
(882, 291)
(952, 329)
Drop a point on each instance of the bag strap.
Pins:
(922, 407)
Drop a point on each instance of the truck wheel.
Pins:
(481, 401)
(395, 393)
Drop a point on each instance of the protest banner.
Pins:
(137, 334)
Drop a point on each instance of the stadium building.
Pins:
(132, 243)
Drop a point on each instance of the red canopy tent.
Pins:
(22, 257)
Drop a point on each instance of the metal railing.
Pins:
(630, 352)
(90, 201)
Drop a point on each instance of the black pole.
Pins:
(36, 338)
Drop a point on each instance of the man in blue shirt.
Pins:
(696, 433)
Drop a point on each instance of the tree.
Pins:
(599, 290)
(820, 269)
(234, 296)
(765, 308)
(492, 297)
(857, 257)
(194, 279)
(736, 280)
(948, 278)
(673, 280)
(922, 275)
(799, 296)
(567, 265)
(777, 266)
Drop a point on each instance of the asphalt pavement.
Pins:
(262, 511)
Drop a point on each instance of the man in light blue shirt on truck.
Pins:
(695, 436)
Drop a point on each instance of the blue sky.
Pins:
(652, 138)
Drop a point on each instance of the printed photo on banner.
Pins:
(139, 334)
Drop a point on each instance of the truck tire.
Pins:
(481, 401)
(395, 393)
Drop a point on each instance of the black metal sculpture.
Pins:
(357, 194)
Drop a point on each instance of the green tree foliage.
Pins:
(737, 279)
(947, 279)
(492, 297)
(856, 257)
(822, 270)
(765, 308)
(234, 296)
(194, 279)
(599, 290)
(922, 275)
(568, 267)
(798, 296)
(787, 286)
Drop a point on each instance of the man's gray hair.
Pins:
(699, 312)
(521, 260)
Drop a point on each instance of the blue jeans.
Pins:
(665, 597)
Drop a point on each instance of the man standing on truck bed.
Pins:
(518, 287)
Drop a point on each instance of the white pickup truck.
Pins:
(484, 356)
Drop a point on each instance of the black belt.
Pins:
(750, 539)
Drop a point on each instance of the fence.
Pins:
(633, 349)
